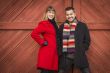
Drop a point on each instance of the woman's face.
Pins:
(50, 15)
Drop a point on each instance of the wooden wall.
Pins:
(18, 51)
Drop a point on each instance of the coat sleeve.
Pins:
(37, 32)
(60, 37)
(86, 41)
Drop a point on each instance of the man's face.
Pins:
(70, 15)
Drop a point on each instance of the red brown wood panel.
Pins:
(96, 15)
(30, 11)
(13, 9)
(35, 11)
(98, 54)
(18, 51)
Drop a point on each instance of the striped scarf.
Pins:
(68, 37)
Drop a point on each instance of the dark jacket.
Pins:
(82, 42)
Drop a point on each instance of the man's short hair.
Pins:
(70, 8)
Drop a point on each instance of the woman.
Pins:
(49, 42)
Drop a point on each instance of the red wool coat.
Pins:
(47, 55)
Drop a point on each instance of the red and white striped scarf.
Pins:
(68, 37)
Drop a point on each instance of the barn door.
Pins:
(96, 15)
(18, 51)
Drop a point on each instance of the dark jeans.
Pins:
(66, 63)
(47, 71)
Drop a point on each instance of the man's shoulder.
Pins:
(82, 24)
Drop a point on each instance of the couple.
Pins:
(62, 46)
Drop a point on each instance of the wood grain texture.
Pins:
(96, 15)
(18, 51)
(29, 11)
(32, 25)
(98, 54)
(93, 11)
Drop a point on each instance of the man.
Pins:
(75, 42)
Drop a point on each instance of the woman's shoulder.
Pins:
(43, 22)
